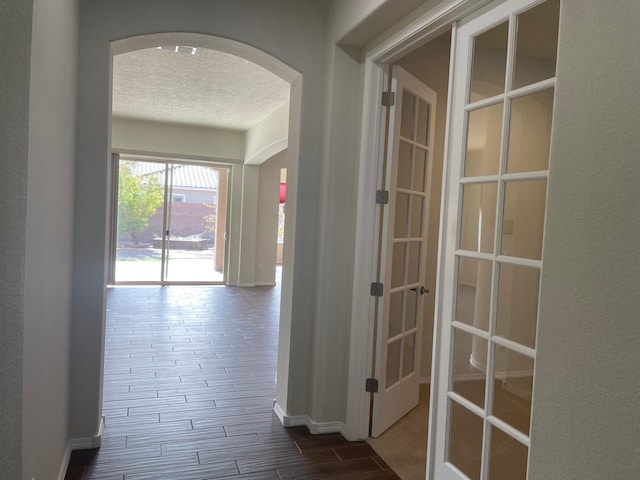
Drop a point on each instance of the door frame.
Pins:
(363, 319)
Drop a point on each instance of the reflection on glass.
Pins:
(537, 44)
(413, 268)
(393, 363)
(508, 457)
(523, 223)
(530, 132)
(395, 314)
(417, 214)
(401, 222)
(465, 440)
(477, 229)
(404, 166)
(484, 135)
(411, 309)
(397, 265)
(513, 380)
(408, 115)
(489, 62)
(474, 292)
(517, 313)
(423, 123)
(420, 170)
(469, 366)
(408, 354)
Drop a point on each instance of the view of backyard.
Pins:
(183, 205)
(143, 263)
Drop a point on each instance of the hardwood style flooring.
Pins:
(189, 385)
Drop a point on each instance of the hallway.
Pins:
(189, 385)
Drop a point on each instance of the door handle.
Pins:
(420, 290)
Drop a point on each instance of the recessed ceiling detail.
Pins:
(202, 87)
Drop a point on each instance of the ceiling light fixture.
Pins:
(179, 49)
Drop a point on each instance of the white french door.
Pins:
(404, 250)
(496, 184)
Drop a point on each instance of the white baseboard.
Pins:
(265, 284)
(87, 443)
(304, 420)
(62, 472)
(467, 377)
(506, 375)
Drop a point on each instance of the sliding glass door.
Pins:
(170, 222)
(194, 214)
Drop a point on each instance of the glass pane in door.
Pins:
(408, 120)
(469, 366)
(489, 63)
(530, 132)
(523, 222)
(478, 217)
(517, 312)
(396, 307)
(140, 214)
(196, 219)
(393, 363)
(404, 166)
(537, 44)
(484, 135)
(508, 457)
(408, 354)
(473, 297)
(465, 440)
(513, 384)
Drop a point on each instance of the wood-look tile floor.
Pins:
(189, 384)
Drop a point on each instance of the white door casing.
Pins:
(493, 222)
(403, 250)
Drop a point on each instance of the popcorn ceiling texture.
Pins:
(209, 88)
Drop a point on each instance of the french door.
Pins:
(169, 222)
(404, 250)
(496, 184)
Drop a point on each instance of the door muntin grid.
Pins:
(503, 361)
(409, 203)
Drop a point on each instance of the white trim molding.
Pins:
(87, 443)
(306, 421)
(267, 152)
(64, 465)
(419, 31)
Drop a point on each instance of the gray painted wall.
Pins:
(15, 35)
(586, 403)
(267, 225)
(343, 79)
(38, 119)
(47, 314)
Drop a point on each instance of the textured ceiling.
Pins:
(209, 88)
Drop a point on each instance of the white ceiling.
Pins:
(209, 88)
